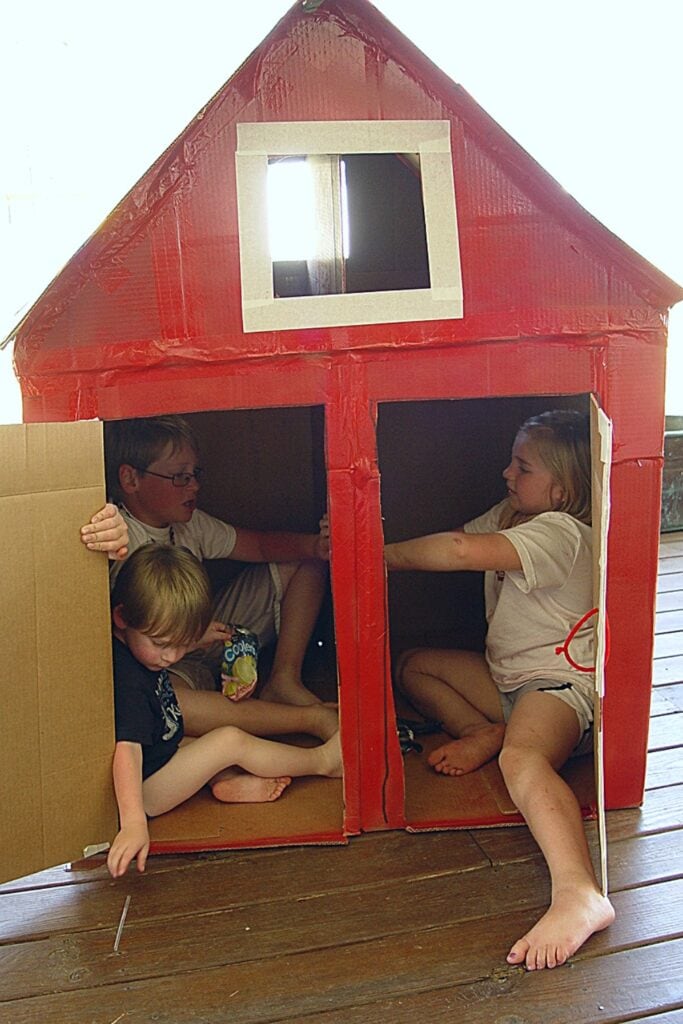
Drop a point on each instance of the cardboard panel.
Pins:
(479, 799)
(56, 727)
(310, 811)
(601, 460)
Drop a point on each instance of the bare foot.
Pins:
(571, 919)
(458, 757)
(283, 690)
(248, 789)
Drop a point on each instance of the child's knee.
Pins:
(405, 664)
(229, 737)
(509, 760)
(518, 763)
(286, 571)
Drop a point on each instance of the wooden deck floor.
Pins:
(393, 928)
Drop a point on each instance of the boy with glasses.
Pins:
(154, 475)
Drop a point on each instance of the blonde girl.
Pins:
(519, 700)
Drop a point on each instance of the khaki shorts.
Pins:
(252, 600)
(577, 694)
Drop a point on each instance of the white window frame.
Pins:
(261, 310)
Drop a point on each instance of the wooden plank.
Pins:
(672, 561)
(665, 700)
(669, 581)
(92, 870)
(669, 552)
(85, 961)
(669, 600)
(665, 731)
(225, 882)
(664, 768)
(670, 1017)
(668, 645)
(269, 929)
(644, 859)
(670, 621)
(643, 916)
(636, 860)
(671, 544)
(668, 672)
(584, 993)
(661, 810)
(673, 537)
(464, 964)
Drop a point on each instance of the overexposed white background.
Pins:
(93, 92)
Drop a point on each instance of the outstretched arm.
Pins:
(453, 551)
(267, 546)
(132, 840)
(107, 531)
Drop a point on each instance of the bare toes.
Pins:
(518, 952)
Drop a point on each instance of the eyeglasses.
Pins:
(177, 479)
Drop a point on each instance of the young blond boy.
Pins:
(203, 710)
(161, 606)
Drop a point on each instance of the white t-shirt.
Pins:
(204, 536)
(530, 612)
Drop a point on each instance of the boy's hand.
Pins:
(131, 842)
(216, 632)
(107, 531)
(323, 539)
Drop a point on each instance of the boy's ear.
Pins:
(118, 618)
(128, 478)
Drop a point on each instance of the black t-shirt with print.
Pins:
(146, 710)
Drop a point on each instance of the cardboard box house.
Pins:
(449, 289)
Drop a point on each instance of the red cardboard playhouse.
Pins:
(381, 378)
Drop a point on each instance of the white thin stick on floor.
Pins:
(121, 924)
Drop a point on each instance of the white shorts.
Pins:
(252, 600)
(578, 695)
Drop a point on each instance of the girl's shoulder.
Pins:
(563, 521)
(560, 526)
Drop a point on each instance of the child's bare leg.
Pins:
(198, 762)
(541, 734)
(239, 787)
(203, 711)
(304, 587)
(456, 689)
(266, 757)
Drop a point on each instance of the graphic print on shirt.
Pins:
(169, 706)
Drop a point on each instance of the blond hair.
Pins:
(561, 438)
(140, 442)
(164, 592)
